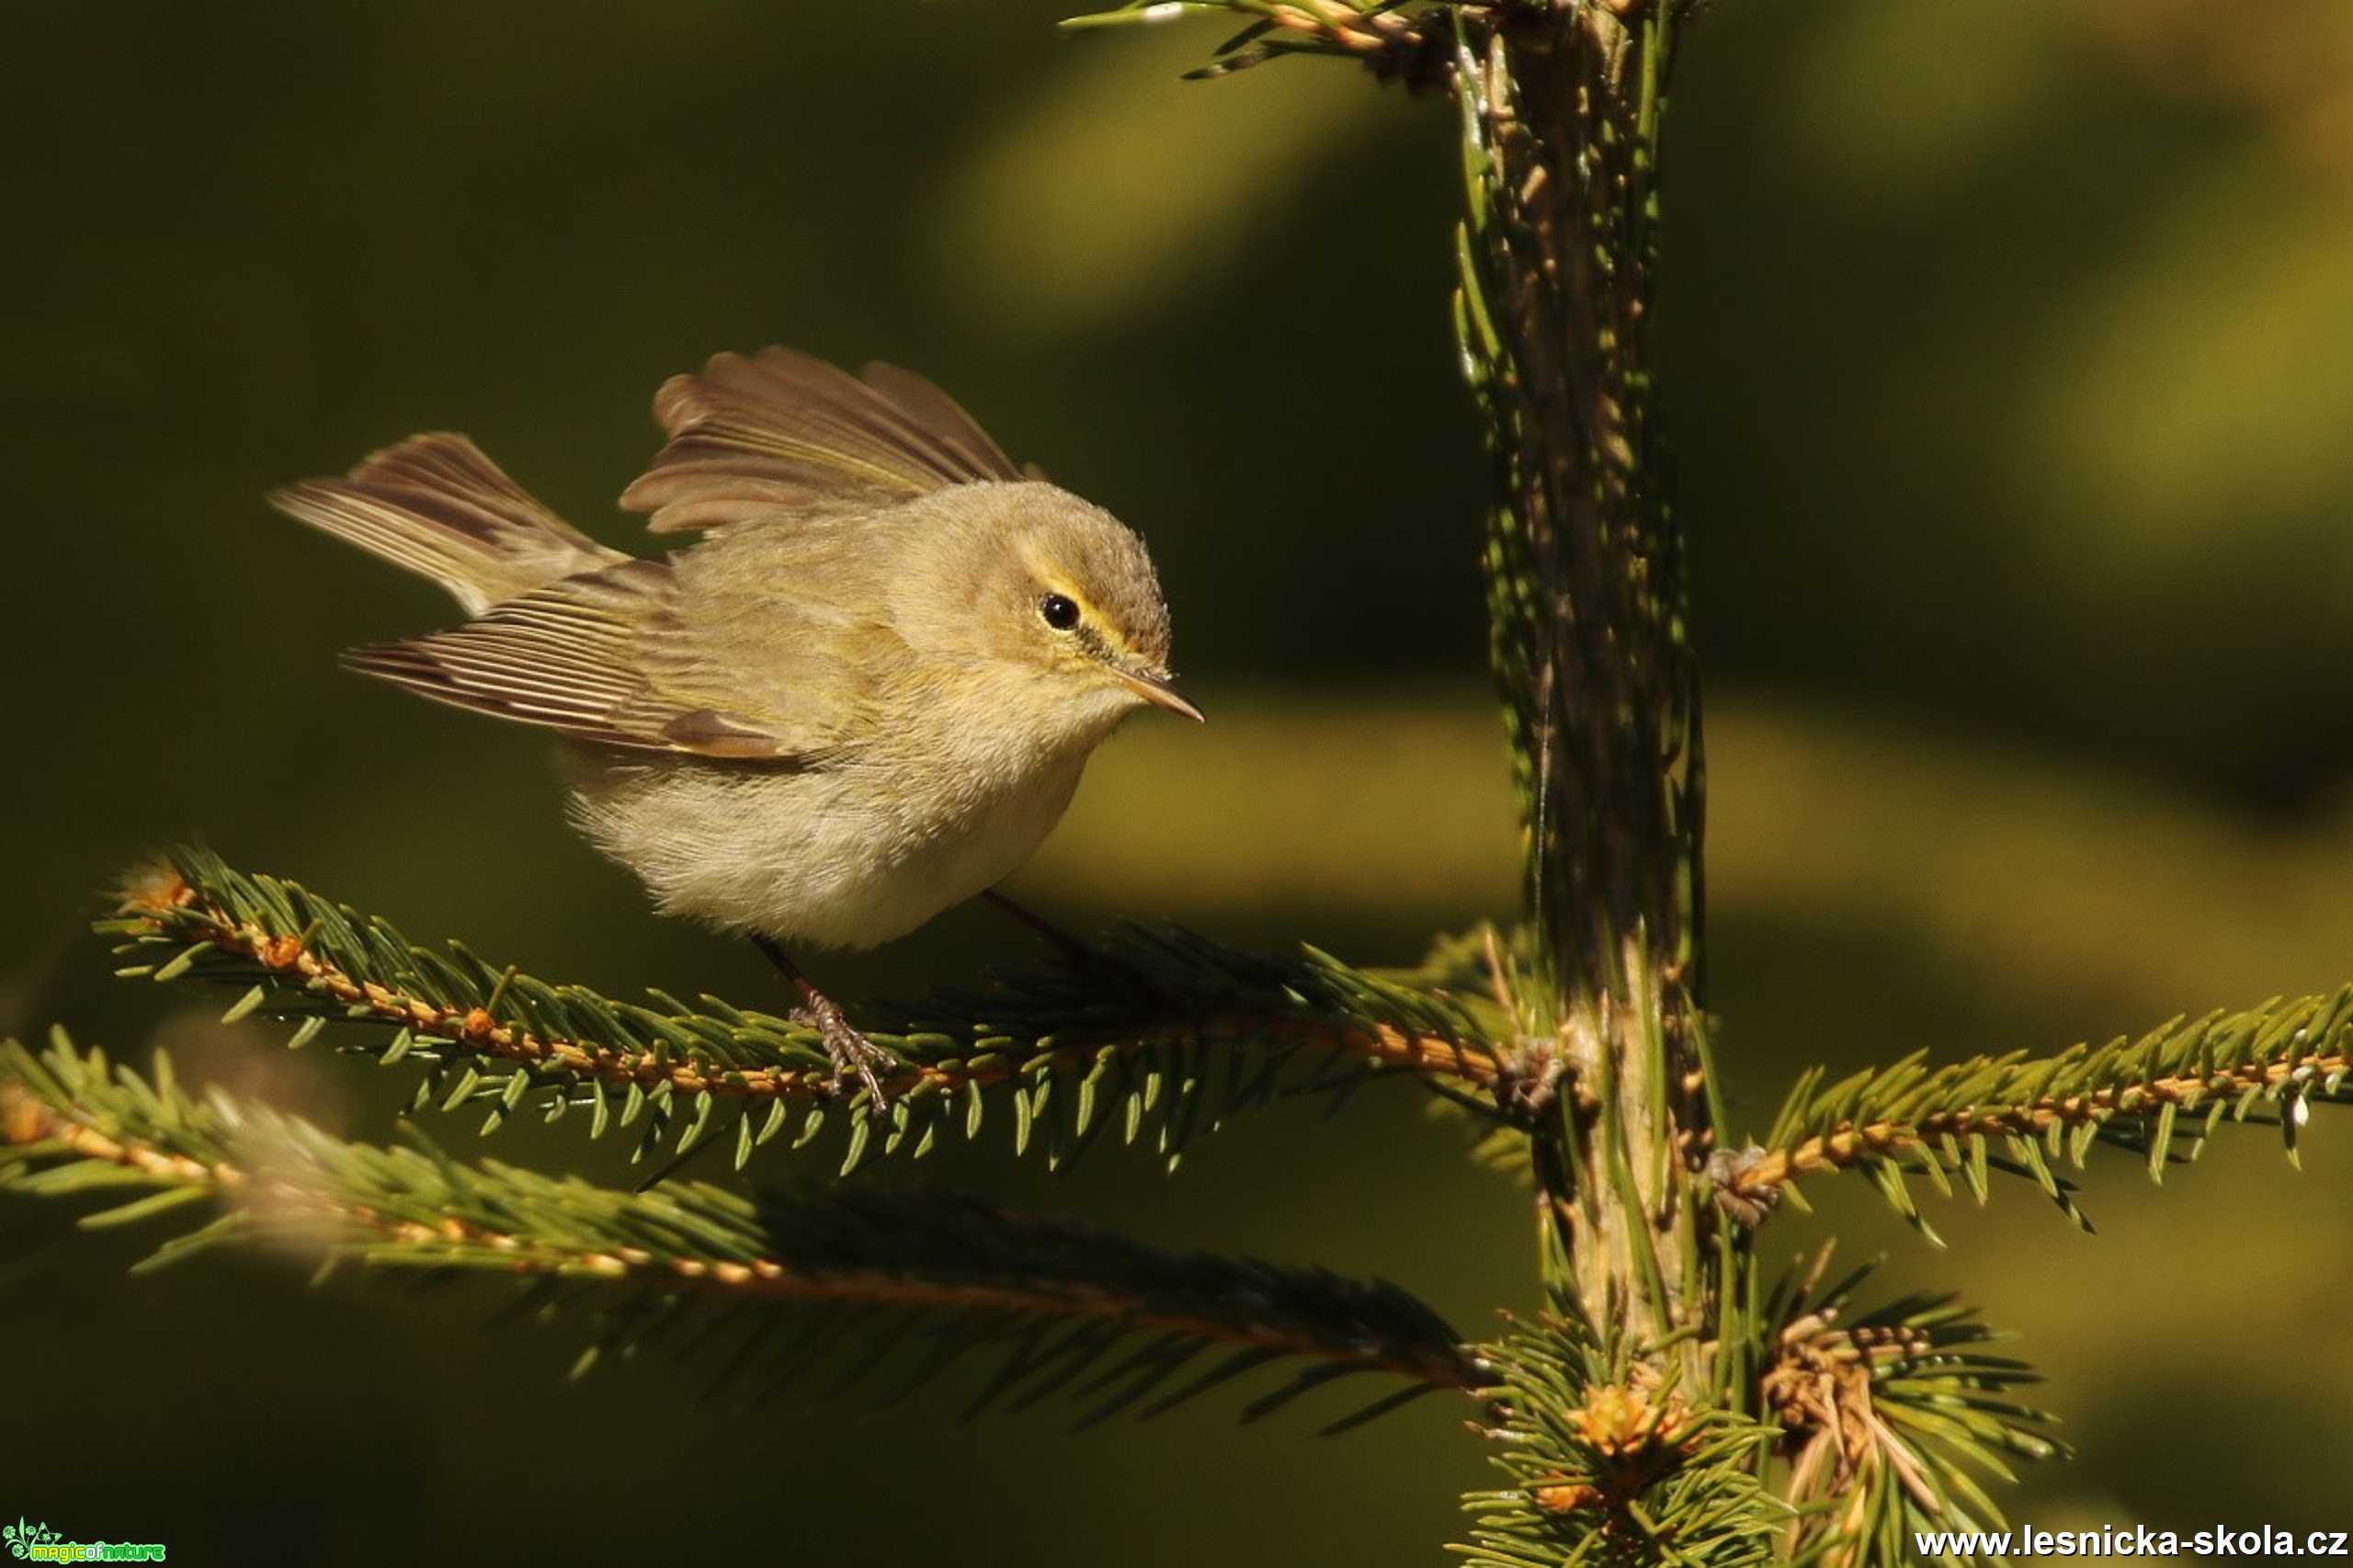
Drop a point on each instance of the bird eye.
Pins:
(1060, 613)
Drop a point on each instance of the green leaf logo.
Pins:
(22, 1537)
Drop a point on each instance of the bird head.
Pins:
(1057, 586)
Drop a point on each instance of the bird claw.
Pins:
(854, 1055)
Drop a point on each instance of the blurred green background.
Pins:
(2008, 350)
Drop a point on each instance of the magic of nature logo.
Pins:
(38, 1543)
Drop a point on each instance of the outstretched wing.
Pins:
(778, 434)
(597, 657)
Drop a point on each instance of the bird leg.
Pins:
(1079, 952)
(1083, 955)
(854, 1055)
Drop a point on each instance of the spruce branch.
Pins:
(1561, 120)
(1614, 1464)
(1604, 1054)
(1561, 125)
(1407, 40)
(760, 1290)
(1170, 1035)
(1885, 1415)
(2160, 1096)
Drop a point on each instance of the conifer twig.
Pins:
(1609, 1464)
(485, 1035)
(1408, 40)
(2160, 1095)
(1061, 1297)
(1884, 1414)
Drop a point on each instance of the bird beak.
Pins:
(1154, 688)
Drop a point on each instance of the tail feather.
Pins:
(437, 506)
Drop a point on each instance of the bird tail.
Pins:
(436, 506)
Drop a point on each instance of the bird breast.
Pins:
(848, 854)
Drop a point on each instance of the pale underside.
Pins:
(823, 856)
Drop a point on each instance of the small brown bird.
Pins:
(864, 695)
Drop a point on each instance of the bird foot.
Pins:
(855, 1056)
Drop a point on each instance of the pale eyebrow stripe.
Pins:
(1096, 633)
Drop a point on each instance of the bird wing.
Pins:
(598, 657)
(436, 506)
(778, 435)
